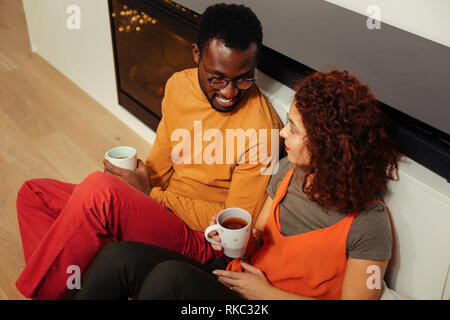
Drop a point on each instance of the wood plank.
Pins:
(68, 158)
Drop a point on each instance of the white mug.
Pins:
(234, 241)
(122, 157)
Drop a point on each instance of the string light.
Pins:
(132, 20)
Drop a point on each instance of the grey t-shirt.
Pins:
(369, 238)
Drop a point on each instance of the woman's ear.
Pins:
(195, 53)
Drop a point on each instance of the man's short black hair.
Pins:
(236, 25)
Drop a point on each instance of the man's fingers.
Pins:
(108, 167)
(113, 169)
(140, 165)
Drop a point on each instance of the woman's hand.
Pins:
(214, 235)
(252, 284)
(252, 246)
(138, 178)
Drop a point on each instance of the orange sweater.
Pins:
(200, 178)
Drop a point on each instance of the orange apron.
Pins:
(310, 264)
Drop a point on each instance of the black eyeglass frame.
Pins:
(235, 82)
(227, 82)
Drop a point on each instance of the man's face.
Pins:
(218, 61)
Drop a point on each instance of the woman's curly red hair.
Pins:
(353, 152)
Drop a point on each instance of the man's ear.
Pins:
(195, 53)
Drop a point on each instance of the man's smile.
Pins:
(223, 102)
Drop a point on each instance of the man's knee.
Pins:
(97, 186)
(98, 179)
(26, 196)
(26, 187)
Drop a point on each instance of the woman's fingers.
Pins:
(256, 233)
(227, 274)
(213, 220)
(215, 236)
(249, 268)
(229, 278)
(229, 282)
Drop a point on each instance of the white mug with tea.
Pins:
(233, 226)
(123, 157)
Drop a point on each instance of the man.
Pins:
(64, 226)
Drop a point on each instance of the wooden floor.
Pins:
(48, 128)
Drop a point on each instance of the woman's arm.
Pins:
(263, 214)
(254, 242)
(363, 279)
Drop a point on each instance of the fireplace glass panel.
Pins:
(152, 42)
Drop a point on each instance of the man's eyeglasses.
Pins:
(221, 83)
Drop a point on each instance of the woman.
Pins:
(324, 232)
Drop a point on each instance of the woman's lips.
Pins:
(286, 148)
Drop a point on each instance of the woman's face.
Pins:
(294, 134)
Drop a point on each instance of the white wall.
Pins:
(419, 203)
(425, 18)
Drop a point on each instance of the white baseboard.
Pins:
(122, 114)
(131, 121)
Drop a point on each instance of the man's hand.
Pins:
(139, 178)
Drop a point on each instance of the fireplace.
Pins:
(150, 44)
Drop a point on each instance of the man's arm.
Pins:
(159, 160)
(249, 180)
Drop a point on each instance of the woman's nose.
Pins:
(283, 132)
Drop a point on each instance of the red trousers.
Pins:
(65, 225)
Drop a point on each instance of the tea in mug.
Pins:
(234, 223)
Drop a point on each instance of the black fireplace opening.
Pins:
(152, 40)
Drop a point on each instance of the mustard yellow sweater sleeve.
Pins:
(249, 181)
(159, 162)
